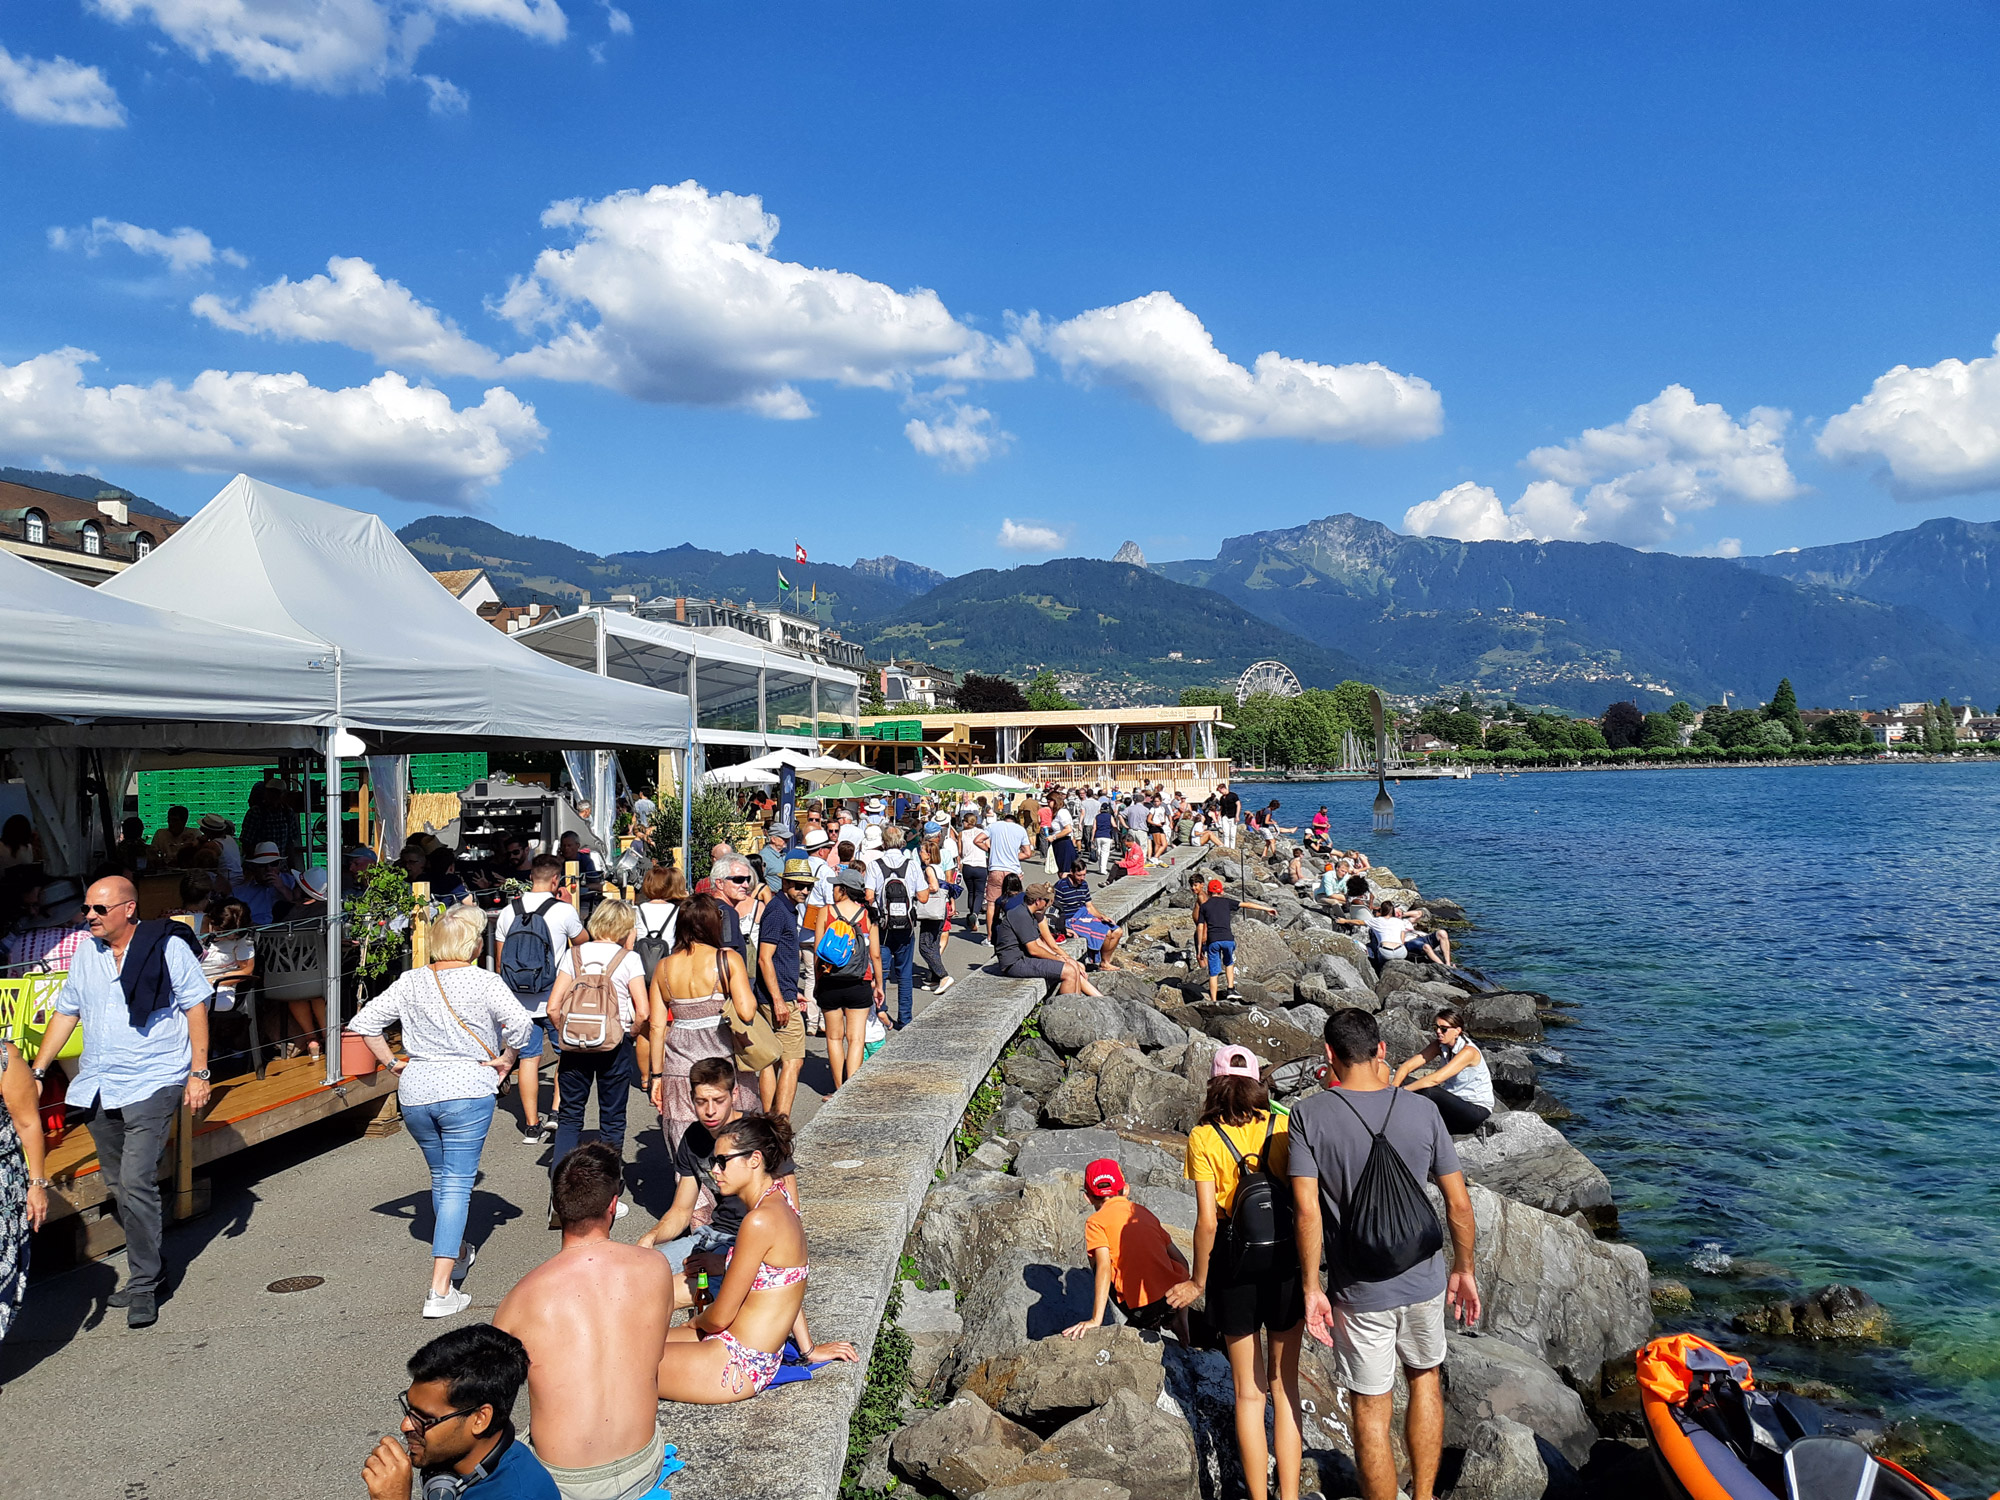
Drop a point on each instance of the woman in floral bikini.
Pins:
(731, 1349)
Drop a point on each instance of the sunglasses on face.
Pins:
(105, 911)
(424, 1423)
(724, 1158)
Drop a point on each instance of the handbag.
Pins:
(756, 1043)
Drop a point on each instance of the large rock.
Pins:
(1346, 971)
(1173, 1207)
(1058, 1379)
(1401, 973)
(973, 1217)
(1070, 1151)
(931, 1320)
(1402, 1034)
(1312, 943)
(1060, 1489)
(1261, 952)
(1514, 1072)
(961, 1448)
(1074, 1101)
(1130, 1091)
(1486, 1378)
(1132, 1443)
(1505, 1461)
(1509, 1015)
(1832, 1312)
(1443, 910)
(1072, 1022)
(1021, 1297)
(1273, 1038)
(1309, 1017)
(1527, 1159)
(1031, 1075)
(1552, 1287)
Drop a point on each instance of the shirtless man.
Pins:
(594, 1320)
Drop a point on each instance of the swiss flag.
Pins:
(798, 553)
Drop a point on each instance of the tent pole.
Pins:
(330, 970)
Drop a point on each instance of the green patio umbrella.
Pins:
(839, 791)
(954, 781)
(888, 783)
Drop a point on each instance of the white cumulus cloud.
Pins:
(407, 441)
(673, 295)
(183, 249)
(56, 91)
(1929, 432)
(331, 46)
(1631, 482)
(1028, 536)
(964, 438)
(355, 305)
(619, 21)
(1156, 348)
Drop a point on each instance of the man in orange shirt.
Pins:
(1135, 1258)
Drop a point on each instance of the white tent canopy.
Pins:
(73, 657)
(414, 666)
(738, 776)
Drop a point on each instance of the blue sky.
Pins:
(1560, 273)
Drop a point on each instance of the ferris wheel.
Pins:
(1268, 677)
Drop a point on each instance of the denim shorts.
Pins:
(1221, 954)
(539, 1034)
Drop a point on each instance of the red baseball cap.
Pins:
(1103, 1178)
(1215, 888)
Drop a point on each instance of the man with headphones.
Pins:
(457, 1425)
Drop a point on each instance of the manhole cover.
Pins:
(296, 1284)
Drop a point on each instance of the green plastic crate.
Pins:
(447, 773)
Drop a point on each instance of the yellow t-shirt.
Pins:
(1208, 1160)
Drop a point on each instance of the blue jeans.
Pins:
(899, 964)
(616, 1074)
(451, 1134)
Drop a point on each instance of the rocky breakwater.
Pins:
(997, 1405)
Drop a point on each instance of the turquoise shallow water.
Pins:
(1784, 1043)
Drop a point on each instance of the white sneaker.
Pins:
(436, 1306)
(946, 983)
(468, 1253)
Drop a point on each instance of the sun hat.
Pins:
(314, 882)
(816, 838)
(799, 872)
(265, 853)
(214, 823)
(1103, 1178)
(871, 838)
(1236, 1062)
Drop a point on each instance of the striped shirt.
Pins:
(1071, 897)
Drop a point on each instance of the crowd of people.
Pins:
(703, 998)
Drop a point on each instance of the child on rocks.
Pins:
(1135, 1259)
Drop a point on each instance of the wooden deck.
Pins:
(242, 1112)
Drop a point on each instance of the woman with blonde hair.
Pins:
(461, 1029)
(614, 1070)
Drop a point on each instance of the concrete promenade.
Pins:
(242, 1391)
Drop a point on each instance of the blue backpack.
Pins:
(529, 964)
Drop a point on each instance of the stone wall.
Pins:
(866, 1162)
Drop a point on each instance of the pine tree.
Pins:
(1784, 709)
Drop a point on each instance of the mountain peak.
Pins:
(1130, 553)
(913, 578)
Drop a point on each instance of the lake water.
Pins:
(1786, 1029)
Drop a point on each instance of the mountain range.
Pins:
(1577, 625)
(1913, 614)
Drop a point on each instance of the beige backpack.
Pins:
(590, 1018)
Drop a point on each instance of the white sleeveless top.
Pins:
(1473, 1083)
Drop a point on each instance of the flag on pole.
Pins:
(784, 583)
(815, 592)
(798, 554)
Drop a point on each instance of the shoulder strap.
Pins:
(1375, 1134)
(1230, 1144)
(438, 980)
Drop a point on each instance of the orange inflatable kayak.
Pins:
(1715, 1436)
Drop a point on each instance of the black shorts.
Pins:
(844, 994)
(1241, 1302)
(1152, 1315)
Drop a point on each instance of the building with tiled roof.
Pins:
(87, 540)
(470, 587)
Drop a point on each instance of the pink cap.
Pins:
(1236, 1062)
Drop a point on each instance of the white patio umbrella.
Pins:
(744, 775)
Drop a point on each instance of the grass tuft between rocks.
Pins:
(881, 1409)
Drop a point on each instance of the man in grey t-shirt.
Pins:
(1373, 1325)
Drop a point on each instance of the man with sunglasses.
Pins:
(139, 992)
(457, 1424)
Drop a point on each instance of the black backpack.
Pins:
(897, 920)
(529, 964)
(651, 946)
(1260, 1230)
(1387, 1225)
